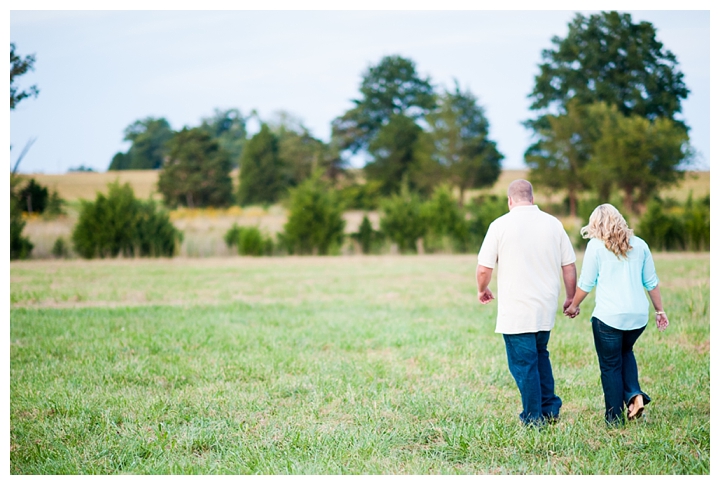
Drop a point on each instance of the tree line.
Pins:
(406, 129)
(607, 104)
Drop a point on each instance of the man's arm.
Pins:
(569, 273)
(483, 274)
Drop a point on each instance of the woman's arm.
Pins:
(574, 309)
(661, 319)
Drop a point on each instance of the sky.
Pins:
(99, 71)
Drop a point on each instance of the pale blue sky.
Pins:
(98, 71)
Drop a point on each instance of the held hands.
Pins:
(486, 296)
(662, 322)
(569, 309)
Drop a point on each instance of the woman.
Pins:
(621, 266)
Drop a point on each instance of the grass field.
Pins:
(335, 365)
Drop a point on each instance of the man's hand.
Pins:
(486, 296)
(569, 310)
(572, 311)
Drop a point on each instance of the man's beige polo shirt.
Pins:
(528, 246)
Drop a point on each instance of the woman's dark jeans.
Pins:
(618, 368)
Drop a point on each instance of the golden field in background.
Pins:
(84, 185)
(204, 229)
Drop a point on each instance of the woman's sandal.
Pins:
(636, 407)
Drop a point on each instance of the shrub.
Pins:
(232, 236)
(315, 224)
(253, 243)
(20, 247)
(54, 205)
(403, 221)
(483, 211)
(662, 225)
(697, 223)
(368, 238)
(447, 228)
(249, 241)
(60, 248)
(361, 196)
(121, 224)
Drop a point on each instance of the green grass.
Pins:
(358, 365)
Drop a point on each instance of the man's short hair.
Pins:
(520, 190)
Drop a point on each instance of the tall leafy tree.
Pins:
(228, 127)
(149, 139)
(607, 58)
(401, 150)
(462, 145)
(636, 155)
(301, 153)
(390, 88)
(558, 159)
(18, 66)
(197, 171)
(262, 171)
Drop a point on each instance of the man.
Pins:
(530, 249)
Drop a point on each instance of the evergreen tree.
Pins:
(197, 172)
(262, 171)
(315, 223)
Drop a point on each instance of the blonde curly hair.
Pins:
(607, 224)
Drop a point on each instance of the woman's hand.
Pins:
(572, 311)
(661, 320)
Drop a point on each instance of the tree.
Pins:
(607, 58)
(392, 87)
(18, 67)
(315, 223)
(401, 150)
(228, 127)
(636, 155)
(263, 175)
(197, 171)
(118, 223)
(558, 159)
(149, 139)
(462, 146)
(33, 197)
(300, 152)
(20, 246)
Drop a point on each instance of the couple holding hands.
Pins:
(531, 249)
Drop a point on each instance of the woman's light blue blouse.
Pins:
(620, 299)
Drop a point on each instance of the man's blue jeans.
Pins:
(529, 363)
(618, 368)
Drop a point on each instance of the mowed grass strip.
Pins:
(369, 366)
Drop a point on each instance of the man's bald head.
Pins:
(520, 191)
